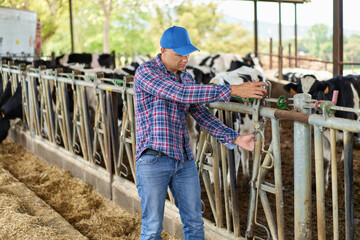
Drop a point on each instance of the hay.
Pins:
(90, 213)
(24, 216)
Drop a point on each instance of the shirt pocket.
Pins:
(147, 159)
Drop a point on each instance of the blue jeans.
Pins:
(154, 174)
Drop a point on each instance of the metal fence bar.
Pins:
(349, 188)
(334, 185)
(302, 134)
(302, 174)
(278, 179)
(320, 182)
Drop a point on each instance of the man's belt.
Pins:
(151, 151)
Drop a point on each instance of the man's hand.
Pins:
(246, 142)
(249, 90)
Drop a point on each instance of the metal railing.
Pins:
(94, 136)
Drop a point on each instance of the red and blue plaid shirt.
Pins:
(161, 106)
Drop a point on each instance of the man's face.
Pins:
(173, 61)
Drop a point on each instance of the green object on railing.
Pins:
(118, 81)
(281, 102)
(241, 99)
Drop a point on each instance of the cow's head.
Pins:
(319, 90)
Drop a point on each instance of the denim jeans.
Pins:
(154, 174)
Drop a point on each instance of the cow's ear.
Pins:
(326, 88)
(292, 91)
(291, 88)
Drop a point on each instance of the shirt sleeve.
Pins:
(213, 125)
(161, 84)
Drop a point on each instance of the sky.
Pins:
(315, 12)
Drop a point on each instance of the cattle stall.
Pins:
(56, 110)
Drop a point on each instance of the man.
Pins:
(164, 94)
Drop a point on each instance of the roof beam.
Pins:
(284, 1)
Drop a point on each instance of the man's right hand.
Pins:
(249, 90)
(246, 142)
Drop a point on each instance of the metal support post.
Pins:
(302, 173)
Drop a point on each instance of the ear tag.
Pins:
(326, 91)
(292, 91)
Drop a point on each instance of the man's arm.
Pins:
(213, 125)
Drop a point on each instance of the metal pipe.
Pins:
(337, 37)
(320, 182)
(253, 189)
(278, 178)
(280, 64)
(232, 176)
(302, 174)
(217, 190)
(268, 214)
(71, 27)
(349, 188)
(334, 184)
(224, 168)
(296, 42)
(255, 29)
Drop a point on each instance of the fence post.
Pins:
(289, 55)
(302, 173)
(271, 53)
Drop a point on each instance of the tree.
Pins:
(352, 48)
(317, 40)
(208, 31)
(107, 10)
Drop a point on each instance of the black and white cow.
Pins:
(88, 60)
(295, 74)
(243, 123)
(129, 69)
(224, 62)
(349, 92)
(201, 74)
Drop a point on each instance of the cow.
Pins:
(11, 109)
(6, 94)
(89, 60)
(201, 74)
(295, 74)
(243, 123)
(224, 62)
(130, 69)
(349, 92)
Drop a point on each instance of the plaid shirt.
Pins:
(161, 107)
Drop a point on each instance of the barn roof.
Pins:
(284, 1)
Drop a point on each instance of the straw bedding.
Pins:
(87, 211)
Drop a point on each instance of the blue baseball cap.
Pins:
(177, 39)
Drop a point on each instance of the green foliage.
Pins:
(352, 49)
(318, 41)
(136, 27)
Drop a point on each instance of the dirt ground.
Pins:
(77, 202)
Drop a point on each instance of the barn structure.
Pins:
(92, 147)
